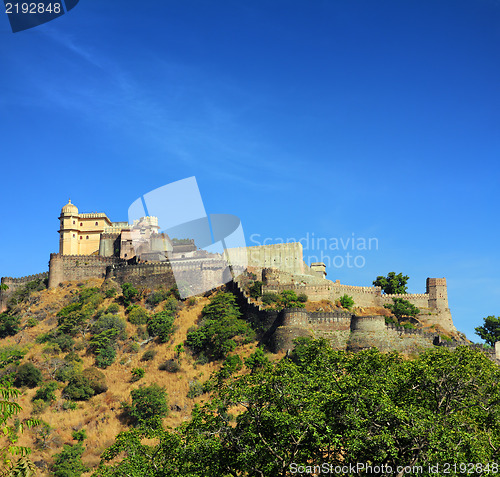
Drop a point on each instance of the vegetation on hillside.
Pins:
(328, 406)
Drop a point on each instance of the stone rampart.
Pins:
(14, 284)
(65, 268)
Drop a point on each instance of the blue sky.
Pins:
(333, 118)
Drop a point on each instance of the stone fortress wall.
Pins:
(15, 284)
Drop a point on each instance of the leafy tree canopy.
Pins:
(392, 284)
(490, 331)
(401, 308)
(324, 405)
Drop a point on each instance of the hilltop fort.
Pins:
(92, 246)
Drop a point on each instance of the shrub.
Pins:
(28, 375)
(148, 402)
(113, 308)
(32, 322)
(390, 320)
(191, 301)
(137, 315)
(148, 355)
(80, 435)
(269, 298)
(156, 297)
(137, 373)
(69, 406)
(72, 357)
(66, 372)
(288, 299)
(105, 356)
(162, 325)
(171, 365)
(171, 305)
(195, 389)
(46, 392)
(346, 301)
(401, 307)
(131, 348)
(110, 293)
(38, 406)
(78, 388)
(129, 293)
(302, 297)
(110, 322)
(96, 379)
(68, 463)
(255, 289)
(9, 325)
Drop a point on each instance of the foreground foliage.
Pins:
(330, 406)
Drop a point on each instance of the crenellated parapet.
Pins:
(14, 284)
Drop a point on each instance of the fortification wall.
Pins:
(65, 268)
(15, 284)
(419, 300)
(287, 257)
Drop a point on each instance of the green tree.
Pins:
(289, 299)
(324, 405)
(401, 308)
(147, 403)
(346, 301)
(490, 331)
(392, 284)
(221, 329)
(10, 465)
(162, 325)
(68, 463)
(9, 325)
(28, 375)
(129, 293)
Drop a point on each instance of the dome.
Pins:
(70, 209)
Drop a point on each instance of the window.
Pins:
(74, 235)
(74, 222)
(81, 224)
(81, 237)
(97, 223)
(87, 237)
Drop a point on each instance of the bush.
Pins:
(171, 305)
(72, 357)
(401, 307)
(148, 402)
(110, 293)
(46, 392)
(105, 356)
(78, 388)
(288, 299)
(255, 289)
(302, 297)
(129, 293)
(80, 435)
(113, 308)
(195, 389)
(66, 372)
(346, 301)
(156, 297)
(68, 463)
(69, 406)
(28, 375)
(110, 322)
(390, 320)
(171, 365)
(191, 301)
(137, 315)
(96, 379)
(38, 406)
(9, 325)
(269, 298)
(148, 355)
(137, 373)
(32, 322)
(162, 325)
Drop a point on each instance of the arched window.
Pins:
(97, 223)
(87, 237)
